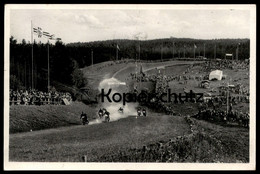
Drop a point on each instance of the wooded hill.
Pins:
(157, 49)
(67, 59)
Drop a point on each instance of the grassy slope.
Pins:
(25, 118)
(206, 144)
(235, 140)
(71, 143)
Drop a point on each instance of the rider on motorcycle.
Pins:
(121, 110)
(144, 112)
(100, 113)
(107, 116)
(84, 118)
(139, 111)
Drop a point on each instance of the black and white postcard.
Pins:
(129, 87)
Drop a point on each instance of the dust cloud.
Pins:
(117, 87)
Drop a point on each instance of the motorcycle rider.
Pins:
(139, 111)
(144, 112)
(107, 116)
(84, 117)
(121, 109)
(100, 113)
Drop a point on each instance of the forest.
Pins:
(65, 60)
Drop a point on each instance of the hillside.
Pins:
(26, 118)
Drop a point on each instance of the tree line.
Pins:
(65, 60)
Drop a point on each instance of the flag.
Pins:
(46, 34)
(38, 31)
(52, 37)
(195, 46)
(117, 47)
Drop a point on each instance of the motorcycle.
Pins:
(144, 113)
(121, 110)
(84, 120)
(100, 113)
(107, 117)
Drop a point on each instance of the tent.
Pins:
(66, 102)
(217, 74)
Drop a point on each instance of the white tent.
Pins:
(217, 74)
(66, 102)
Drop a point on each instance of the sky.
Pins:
(95, 24)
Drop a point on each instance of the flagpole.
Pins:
(32, 50)
(204, 49)
(117, 52)
(184, 51)
(215, 51)
(48, 67)
(161, 54)
(139, 50)
(92, 57)
(194, 51)
(172, 49)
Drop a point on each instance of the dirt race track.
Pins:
(71, 143)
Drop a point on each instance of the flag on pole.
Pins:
(50, 36)
(46, 34)
(195, 46)
(38, 31)
(117, 47)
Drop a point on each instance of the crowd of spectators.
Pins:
(217, 115)
(142, 77)
(35, 97)
(236, 93)
(224, 64)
